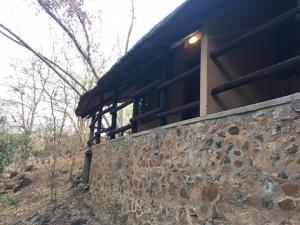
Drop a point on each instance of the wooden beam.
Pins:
(163, 91)
(179, 109)
(119, 130)
(145, 115)
(123, 105)
(136, 94)
(114, 113)
(101, 113)
(180, 77)
(124, 83)
(262, 28)
(146, 88)
(135, 113)
(103, 131)
(258, 75)
(99, 127)
(128, 79)
(114, 108)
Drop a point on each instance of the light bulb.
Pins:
(194, 39)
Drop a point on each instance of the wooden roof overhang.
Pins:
(183, 21)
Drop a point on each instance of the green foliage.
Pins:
(39, 154)
(114, 210)
(128, 111)
(6, 148)
(9, 201)
(12, 143)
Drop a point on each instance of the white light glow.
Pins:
(194, 39)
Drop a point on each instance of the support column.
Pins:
(135, 112)
(163, 91)
(88, 156)
(99, 123)
(204, 71)
(114, 113)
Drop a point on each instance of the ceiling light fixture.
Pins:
(194, 39)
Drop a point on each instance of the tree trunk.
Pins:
(88, 157)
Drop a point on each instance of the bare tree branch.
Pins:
(131, 26)
(85, 56)
(22, 43)
(66, 72)
(88, 47)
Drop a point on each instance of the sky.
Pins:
(20, 16)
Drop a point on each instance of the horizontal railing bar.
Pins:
(123, 105)
(137, 94)
(122, 89)
(145, 115)
(104, 130)
(180, 77)
(128, 102)
(179, 109)
(257, 75)
(119, 130)
(127, 78)
(100, 114)
(127, 83)
(264, 27)
(146, 88)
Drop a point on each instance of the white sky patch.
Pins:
(21, 17)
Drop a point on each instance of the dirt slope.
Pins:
(73, 207)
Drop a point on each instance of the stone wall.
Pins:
(238, 167)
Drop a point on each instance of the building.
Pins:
(204, 59)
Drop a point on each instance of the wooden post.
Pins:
(135, 113)
(114, 113)
(163, 91)
(136, 106)
(99, 127)
(88, 156)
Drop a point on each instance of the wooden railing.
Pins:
(256, 31)
(159, 113)
(262, 73)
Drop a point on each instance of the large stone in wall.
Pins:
(239, 169)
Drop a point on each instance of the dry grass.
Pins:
(36, 197)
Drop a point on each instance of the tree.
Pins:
(131, 26)
(6, 149)
(11, 144)
(26, 94)
(75, 47)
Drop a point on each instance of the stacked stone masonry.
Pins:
(239, 169)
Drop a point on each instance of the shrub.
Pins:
(9, 201)
(12, 143)
(6, 146)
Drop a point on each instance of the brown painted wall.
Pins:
(258, 53)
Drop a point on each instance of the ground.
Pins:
(73, 207)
